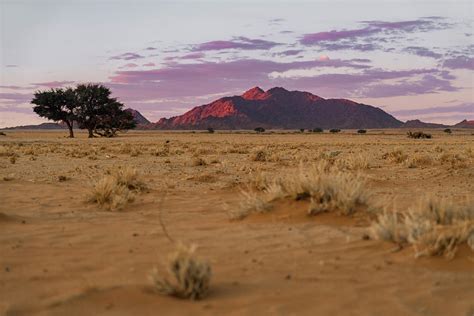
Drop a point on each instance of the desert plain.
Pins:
(61, 254)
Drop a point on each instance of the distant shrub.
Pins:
(334, 130)
(210, 130)
(197, 161)
(448, 131)
(361, 131)
(418, 135)
(302, 130)
(259, 155)
(3, 134)
(317, 130)
(259, 129)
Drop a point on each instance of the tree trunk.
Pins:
(69, 126)
(91, 132)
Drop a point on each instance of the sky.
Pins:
(414, 59)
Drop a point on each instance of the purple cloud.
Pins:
(11, 66)
(15, 98)
(150, 48)
(126, 56)
(372, 28)
(290, 52)
(463, 107)
(427, 84)
(422, 51)
(196, 55)
(459, 62)
(52, 84)
(243, 43)
(244, 68)
(129, 65)
(149, 65)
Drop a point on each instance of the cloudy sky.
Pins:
(414, 59)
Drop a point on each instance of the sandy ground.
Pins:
(60, 255)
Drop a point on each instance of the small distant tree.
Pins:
(361, 131)
(334, 130)
(302, 130)
(58, 105)
(210, 130)
(259, 129)
(318, 130)
(448, 131)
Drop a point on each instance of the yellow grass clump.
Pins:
(187, 275)
(434, 228)
(114, 191)
(328, 189)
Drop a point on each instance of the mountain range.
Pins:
(277, 108)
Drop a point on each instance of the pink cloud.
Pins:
(149, 64)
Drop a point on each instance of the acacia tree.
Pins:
(114, 119)
(99, 113)
(57, 105)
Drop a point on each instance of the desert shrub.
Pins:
(361, 131)
(317, 130)
(3, 134)
(130, 178)
(259, 129)
(453, 160)
(434, 228)
(448, 131)
(334, 130)
(301, 130)
(355, 162)
(109, 194)
(210, 130)
(418, 160)
(161, 152)
(115, 190)
(327, 188)
(418, 135)
(187, 276)
(197, 161)
(389, 227)
(259, 155)
(250, 202)
(6, 152)
(397, 156)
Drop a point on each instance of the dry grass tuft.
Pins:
(434, 228)
(114, 191)
(197, 161)
(259, 155)
(418, 160)
(130, 178)
(324, 185)
(191, 275)
(396, 156)
(109, 194)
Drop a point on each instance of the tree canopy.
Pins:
(56, 105)
(89, 105)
